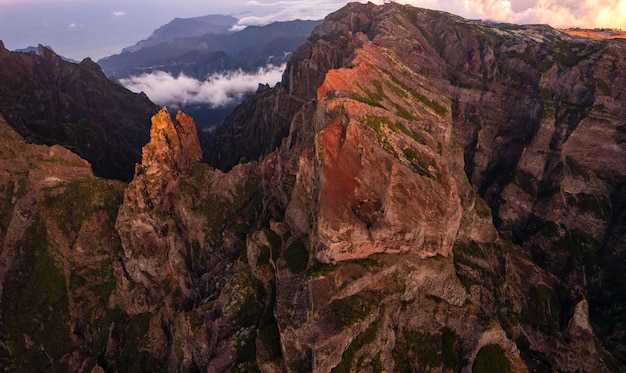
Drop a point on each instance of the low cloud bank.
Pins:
(218, 90)
(269, 11)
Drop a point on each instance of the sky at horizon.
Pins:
(98, 28)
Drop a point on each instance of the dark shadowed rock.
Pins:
(50, 101)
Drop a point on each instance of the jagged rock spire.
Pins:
(174, 145)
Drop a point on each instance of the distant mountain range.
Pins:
(186, 27)
(202, 46)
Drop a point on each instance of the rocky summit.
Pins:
(421, 193)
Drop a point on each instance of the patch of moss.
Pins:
(410, 154)
(377, 123)
(368, 264)
(416, 351)
(399, 88)
(536, 361)
(546, 94)
(133, 355)
(296, 257)
(245, 358)
(565, 54)
(482, 208)
(576, 169)
(269, 336)
(363, 339)
(72, 203)
(100, 280)
(580, 247)
(543, 308)
(35, 305)
(275, 243)
(246, 309)
(418, 164)
(372, 98)
(491, 359)
(396, 89)
(6, 205)
(318, 269)
(526, 181)
(354, 308)
(252, 318)
(472, 248)
(471, 272)
(264, 256)
(402, 112)
(235, 217)
(600, 206)
(603, 87)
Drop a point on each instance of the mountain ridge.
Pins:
(52, 101)
(186, 27)
(247, 49)
(426, 196)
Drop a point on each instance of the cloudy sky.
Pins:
(97, 28)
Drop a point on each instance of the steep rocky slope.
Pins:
(359, 234)
(51, 101)
(57, 243)
(538, 116)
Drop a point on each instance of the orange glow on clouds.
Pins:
(557, 13)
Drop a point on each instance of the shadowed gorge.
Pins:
(420, 193)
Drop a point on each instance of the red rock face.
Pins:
(173, 144)
(384, 187)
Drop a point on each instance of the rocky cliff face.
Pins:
(428, 198)
(51, 101)
(515, 97)
(58, 244)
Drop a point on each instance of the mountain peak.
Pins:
(174, 144)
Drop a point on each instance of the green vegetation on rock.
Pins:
(417, 351)
(72, 203)
(35, 305)
(526, 181)
(491, 359)
(363, 339)
(354, 308)
(296, 257)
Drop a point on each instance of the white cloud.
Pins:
(218, 90)
(118, 13)
(557, 13)
(271, 11)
